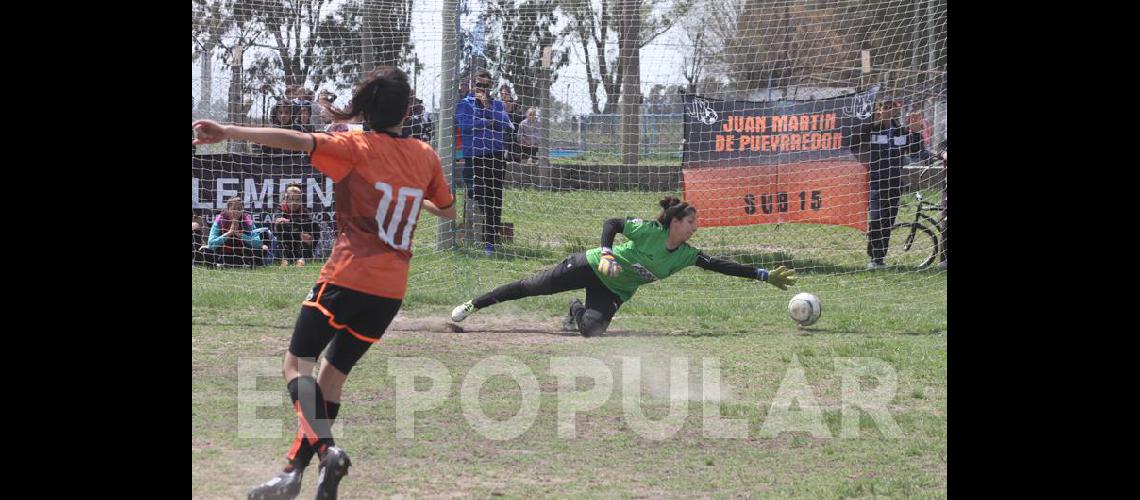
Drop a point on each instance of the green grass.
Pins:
(894, 316)
(830, 262)
(647, 156)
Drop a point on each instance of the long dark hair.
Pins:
(282, 105)
(672, 208)
(382, 99)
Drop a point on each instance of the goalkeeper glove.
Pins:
(608, 266)
(781, 277)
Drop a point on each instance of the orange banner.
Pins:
(823, 192)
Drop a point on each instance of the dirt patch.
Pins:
(483, 330)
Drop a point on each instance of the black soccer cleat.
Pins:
(333, 467)
(284, 486)
(568, 323)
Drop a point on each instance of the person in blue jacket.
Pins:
(483, 121)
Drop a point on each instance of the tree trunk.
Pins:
(630, 59)
(206, 96)
(235, 97)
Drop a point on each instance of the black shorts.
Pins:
(347, 321)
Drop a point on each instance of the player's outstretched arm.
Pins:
(210, 132)
(781, 277)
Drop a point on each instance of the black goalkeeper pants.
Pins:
(573, 273)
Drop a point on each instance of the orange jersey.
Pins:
(380, 182)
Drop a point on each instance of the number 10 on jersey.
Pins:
(389, 230)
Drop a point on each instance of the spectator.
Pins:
(199, 237)
(303, 116)
(528, 134)
(300, 98)
(281, 117)
(917, 121)
(314, 122)
(484, 121)
(515, 112)
(233, 240)
(883, 146)
(293, 91)
(282, 113)
(418, 124)
(324, 113)
(294, 228)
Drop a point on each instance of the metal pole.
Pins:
(930, 45)
(445, 133)
(544, 110)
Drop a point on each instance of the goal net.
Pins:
(802, 131)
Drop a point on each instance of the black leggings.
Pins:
(292, 247)
(573, 273)
(345, 320)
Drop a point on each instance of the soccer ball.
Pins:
(805, 309)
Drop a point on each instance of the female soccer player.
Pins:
(655, 250)
(382, 181)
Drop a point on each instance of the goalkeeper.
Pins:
(655, 250)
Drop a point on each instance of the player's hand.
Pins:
(306, 238)
(281, 220)
(782, 277)
(265, 247)
(209, 132)
(608, 266)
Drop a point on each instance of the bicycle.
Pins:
(907, 248)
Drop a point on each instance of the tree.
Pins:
(708, 36)
(304, 42)
(817, 43)
(595, 26)
(629, 56)
(221, 29)
(386, 34)
(520, 32)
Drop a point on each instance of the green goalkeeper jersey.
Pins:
(643, 258)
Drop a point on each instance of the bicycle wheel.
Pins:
(911, 245)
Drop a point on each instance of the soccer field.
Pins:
(891, 320)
